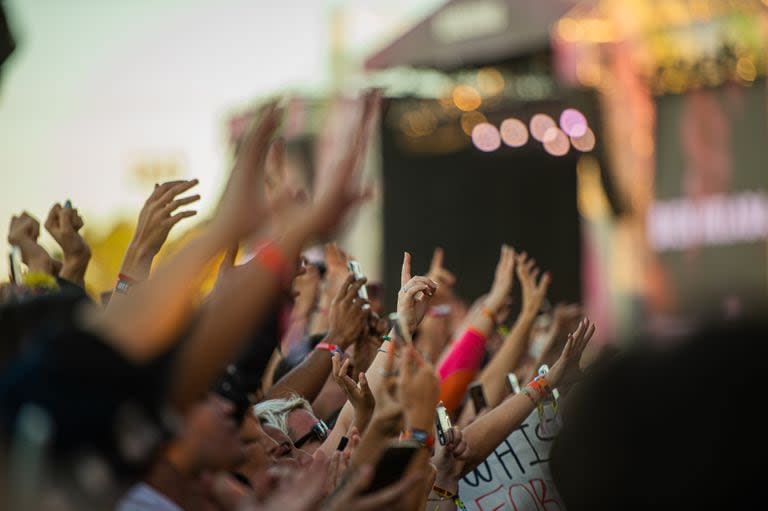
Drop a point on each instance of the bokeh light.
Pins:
(746, 70)
(573, 123)
(486, 137)
(471, 119)
(466, 98)
(490, 81)
(514, 132)
(557, 143)
(540, 123)
(584, 143)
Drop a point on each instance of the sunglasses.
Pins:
(318, 432)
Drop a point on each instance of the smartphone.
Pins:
(393, 464)
(443, 422)
(513, 384)
(14, 263)
(354, 267)
(478, 396)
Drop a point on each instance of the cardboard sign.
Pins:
(516, 476)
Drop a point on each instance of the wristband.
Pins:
(124, 283)
(424, 438)
(333, 348)
(488, 314)
(543, 384)
(123, 276)
(272, 259)
(449, 495)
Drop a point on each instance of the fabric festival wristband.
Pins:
(489, 314)
(421, 436)
(443, 492)
(130, 280)
(544, 384)
(333, 348)
(273, 260)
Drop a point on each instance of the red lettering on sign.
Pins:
(492, 500)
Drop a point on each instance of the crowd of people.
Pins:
(286, 387)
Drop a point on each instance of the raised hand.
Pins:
(242, 207)
(358, 393)
(444, 279)
(566, 369)
(22, 228)
(534, 291)
(450, 459)
(23, 232)
(347, 318)
(156, 220)
(337, 270)
(338, 190)
(415, 295)
(419, 390)
(503, 280)
(564, 319)
(63, 224)
(387, 418)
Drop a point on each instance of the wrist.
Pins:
(445, 481)
(493, 303)
(77, 258)
(137, 262)
(420, 420)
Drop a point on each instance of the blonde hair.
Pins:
(275, 411)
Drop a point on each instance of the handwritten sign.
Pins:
(516, 476)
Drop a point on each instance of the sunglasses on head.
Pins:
(318, 432)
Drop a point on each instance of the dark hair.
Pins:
(295, 356)
(662, 429)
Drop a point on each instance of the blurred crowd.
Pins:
(289, 386)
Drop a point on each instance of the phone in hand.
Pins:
(354, 267)
(393, 463)
(513, 384)
(478, 396)
(14, 263)
(443, 423)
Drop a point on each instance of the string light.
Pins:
(514, 132)
(539, 125)
(486, 137)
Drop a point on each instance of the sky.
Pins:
(99, 87)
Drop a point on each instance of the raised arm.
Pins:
(489, 430)
(506, 360)
(348, 321)
(64, 224)
(133, 323)
(23, 232)
(239, 304)
(156, 219)
(413, 300)
(459, 367)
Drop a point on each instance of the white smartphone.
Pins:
(443, 423)
(354, 267)
(14, 263)
(513, 383)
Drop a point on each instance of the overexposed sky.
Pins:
(97, 87)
